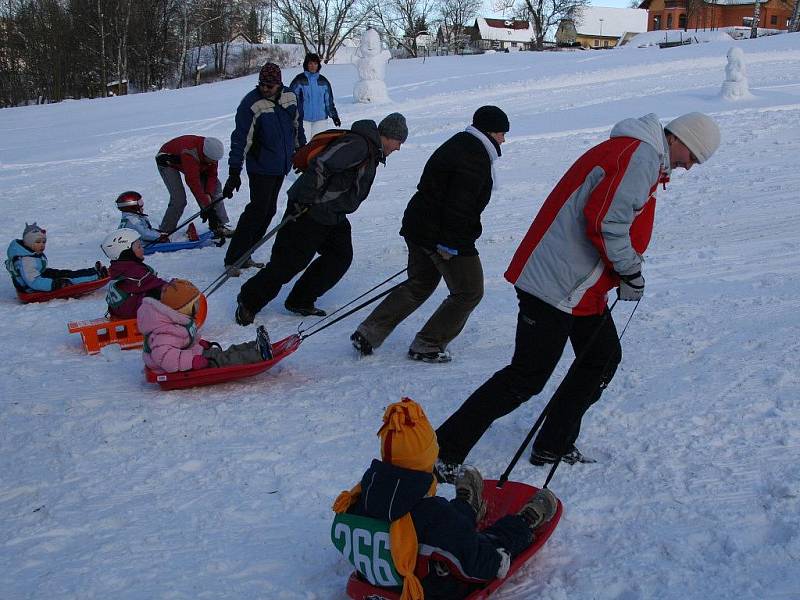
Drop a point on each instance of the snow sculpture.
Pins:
(735, 86)
(371, 64)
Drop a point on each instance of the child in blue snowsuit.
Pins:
(400, 488)
(27, 265)
(133, 217)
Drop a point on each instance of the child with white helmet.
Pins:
(131, 205)
(131, 279)
(27, 265)
(172, 342)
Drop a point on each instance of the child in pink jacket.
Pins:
(171, 340)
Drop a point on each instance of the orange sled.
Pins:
(500, 501)
(102, 332)
(198, 377)
(71, 291)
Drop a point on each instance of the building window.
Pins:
(669, 21)
(656, 22)
(682, 21)
(513, 44)
(596, 43)
(605, 43)
(773, 20)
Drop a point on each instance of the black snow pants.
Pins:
(542, 334)
(256, 217)
(296, 244)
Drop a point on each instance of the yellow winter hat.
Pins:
(407, 438)
(179, 294)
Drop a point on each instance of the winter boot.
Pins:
(539, 509)
(543, 457)
(263, 343)
(446, 472)
(469, 487)
(251, 264)
(233, 271)
(223, 231)
(361, 344)
(305, 311)
(244, 316)
(437, 356)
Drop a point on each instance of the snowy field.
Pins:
(110, 488)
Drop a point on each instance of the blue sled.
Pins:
(205, 240)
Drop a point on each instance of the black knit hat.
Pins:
(311, 57)
(490, 119)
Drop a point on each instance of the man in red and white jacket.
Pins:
(196, 157)
(588, 238)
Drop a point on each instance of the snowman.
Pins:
(371, 62)
(735, 86)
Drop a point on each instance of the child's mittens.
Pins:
(199, 362)
(505, 563)
(61, 282)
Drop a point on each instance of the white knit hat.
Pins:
(698, 132)
(213, 149)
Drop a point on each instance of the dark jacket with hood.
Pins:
(267, 134)
(339, 178)
(454, 188)
(447, 527)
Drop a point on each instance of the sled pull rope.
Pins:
(225, 275)
(352, 310)
(187, 221)
(300, 331)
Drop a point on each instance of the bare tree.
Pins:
(323, 25)
(403, 21)
(756, 19)
(454, 15)
(544, 14)
(794, 22)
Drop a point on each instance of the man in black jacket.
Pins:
(441, 225)
(335, 184)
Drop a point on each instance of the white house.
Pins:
(601, 26)
(503, 34)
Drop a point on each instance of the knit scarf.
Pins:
(493, 156)
(403, 541)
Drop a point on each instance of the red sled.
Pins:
(197, 377)
(71, 291)
(500, 502)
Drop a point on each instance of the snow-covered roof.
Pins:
(608, 21)
(505, 30)
(733, 2)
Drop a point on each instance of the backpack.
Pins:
(315, 145)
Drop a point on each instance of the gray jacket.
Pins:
(340, 177)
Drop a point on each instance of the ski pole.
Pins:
(226, 274)
(351, 311)
(187, 221)
(326, 317)
(578, 359)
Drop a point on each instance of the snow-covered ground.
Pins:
(110, 488)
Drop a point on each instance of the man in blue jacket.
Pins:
(315, 96)
(269, 129)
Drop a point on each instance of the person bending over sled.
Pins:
(131, 279)
(134, 217)
(400, 488)
(27, 265)
(172, 342)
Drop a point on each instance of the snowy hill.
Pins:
(112, 489)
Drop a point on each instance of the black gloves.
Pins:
(61, 282)
(337, 121)
(631, 287)
(233, 183)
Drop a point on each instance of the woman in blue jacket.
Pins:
(315, 94)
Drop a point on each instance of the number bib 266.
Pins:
(364, 542)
